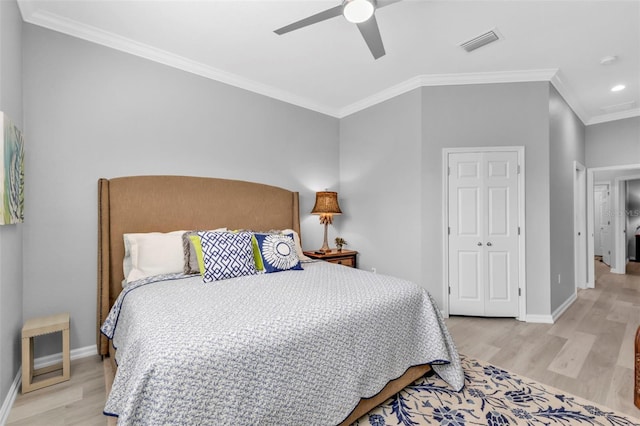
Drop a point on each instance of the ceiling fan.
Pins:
(359, 12)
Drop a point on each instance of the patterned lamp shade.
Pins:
(326, 206)
(326, 202)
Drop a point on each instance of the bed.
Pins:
(300, 347)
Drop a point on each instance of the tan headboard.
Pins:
(170, 203)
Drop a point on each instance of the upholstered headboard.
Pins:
(170, 203)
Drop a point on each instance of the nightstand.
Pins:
(344, 257)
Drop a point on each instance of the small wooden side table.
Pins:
(38, 327)
(344, 257)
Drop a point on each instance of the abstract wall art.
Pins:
(11, 173)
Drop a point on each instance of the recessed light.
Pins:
(618, 87)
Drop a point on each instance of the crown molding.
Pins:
(448, 80)
(614, 116)
(105, 38)
(31, 14)
(569, 97)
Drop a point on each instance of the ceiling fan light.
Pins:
(357, 11)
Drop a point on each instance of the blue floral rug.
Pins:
(491, 396)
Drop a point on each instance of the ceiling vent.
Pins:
(618, 107)
(481, 40)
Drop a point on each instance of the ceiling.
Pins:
(327, 67)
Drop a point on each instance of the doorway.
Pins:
(602, 231)
(616, 177)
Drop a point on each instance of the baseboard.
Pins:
(540, 319)
(44, 361)
(11, 397)
(78, 353)
(567, 303)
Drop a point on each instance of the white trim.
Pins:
(78, 353)
(33, 15)
(613, 189)
(569, 97)
(591, 252)
(44, 361)
(522, 261)
(613, 116)
(105, 38)
(10, 398)
(540, 319)
(562, 308)
(579, 208)
(447, 80)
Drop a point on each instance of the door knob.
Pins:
(489, 244)
(479, 244)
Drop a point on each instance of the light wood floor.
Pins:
(587, 352)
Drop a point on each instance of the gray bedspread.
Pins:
(288, 348)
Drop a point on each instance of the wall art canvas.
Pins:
(11, 173)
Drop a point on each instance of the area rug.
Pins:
(493, 397)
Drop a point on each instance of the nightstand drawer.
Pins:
(346, 261)
(344, 257)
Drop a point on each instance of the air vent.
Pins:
(481, 40)
(618, 107)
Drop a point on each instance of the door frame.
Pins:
(608, 185)
(522, 276)
(626, 170)
(621, 230)
(580, 225)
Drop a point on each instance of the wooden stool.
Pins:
(38, 327)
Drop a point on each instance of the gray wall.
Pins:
(566, 145)
(95, 112)
(615, 143)
(10, 235)
(380, 172)
(514, 114)
(391, 163)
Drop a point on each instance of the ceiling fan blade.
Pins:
(371, 34)
(313, 19)
(383, 3)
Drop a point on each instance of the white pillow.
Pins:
(152, 253)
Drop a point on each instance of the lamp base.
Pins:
(325, 244)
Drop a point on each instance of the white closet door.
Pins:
(483, 234)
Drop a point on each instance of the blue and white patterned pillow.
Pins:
(226, 255)
(278, 252)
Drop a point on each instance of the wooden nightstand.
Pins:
(344, 257)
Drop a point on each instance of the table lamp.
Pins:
(326, 206)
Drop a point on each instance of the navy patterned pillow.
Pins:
(226, 255)
(278, 252)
